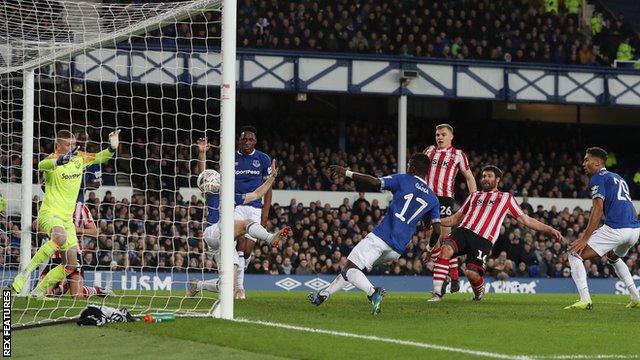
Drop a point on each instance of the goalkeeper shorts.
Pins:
(48, 221)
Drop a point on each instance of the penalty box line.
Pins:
(484, 354)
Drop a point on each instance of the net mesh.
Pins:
(153, 72)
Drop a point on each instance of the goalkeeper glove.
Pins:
(114, 140)
(63, 159)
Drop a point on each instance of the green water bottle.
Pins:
(158, 317)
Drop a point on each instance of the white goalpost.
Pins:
(164, 75)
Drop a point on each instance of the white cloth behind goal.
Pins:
(152, 71)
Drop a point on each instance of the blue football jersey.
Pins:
(614, 191)
(91, 173)
(251, 171)
(213, 206)
(413, 200)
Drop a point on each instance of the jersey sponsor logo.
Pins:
(256, 163)
(489, 202)
(594, 190)
(70, 177)
(247, 172)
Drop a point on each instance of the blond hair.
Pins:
(445, 126)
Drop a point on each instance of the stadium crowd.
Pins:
(499, 30)
(154, 232)
(158, 228)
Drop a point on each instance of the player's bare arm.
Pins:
(433, 240)
(266, 186)
(536, 225)
(471, 181)
(338, 172)
(266, 206)
(597, 210)
(203, 146)
(453, 220)
(89, 229)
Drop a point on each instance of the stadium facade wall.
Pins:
(137, 280)
(365, 74)
(284, 197)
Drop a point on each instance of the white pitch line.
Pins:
(485, 354)
(572, 357)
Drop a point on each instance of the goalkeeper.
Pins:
(63, 173)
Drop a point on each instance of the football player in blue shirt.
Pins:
(208, 182)
(252, 168)
(413, 201)
(620, 232)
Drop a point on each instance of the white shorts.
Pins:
(245, 212)
(372, 251)
(620, 241)
(212, 238)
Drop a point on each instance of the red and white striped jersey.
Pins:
(82, 215)
(484, 212)
(445, 164)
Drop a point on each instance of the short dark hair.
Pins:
(598, 152)
(420, 162)
(248, 128)
(494, 169)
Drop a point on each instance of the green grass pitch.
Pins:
(503, 326)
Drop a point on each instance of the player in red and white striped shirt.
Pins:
(480, 218)
(74, 282)
(446, 161)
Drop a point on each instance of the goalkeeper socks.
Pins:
(625, 275)
(53, 277)
(359, 280)
(336, 285)
(453, 269)
(440, 272)
(42, 255)
(258, 231)
(579, 275)
(240, 271)
(211, 285)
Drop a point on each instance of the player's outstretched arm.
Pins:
(435, 236)
(536, 225)
(453, 220)
(203, 146)
(265, 187)
(51, 162)
(338, 171)
(471, 181)
(106, 154)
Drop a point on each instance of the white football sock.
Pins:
(336, 285)
(579, 275)
(211, 285)
(359, 280)
(259, 232)
(240, 271)
(625, 275)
